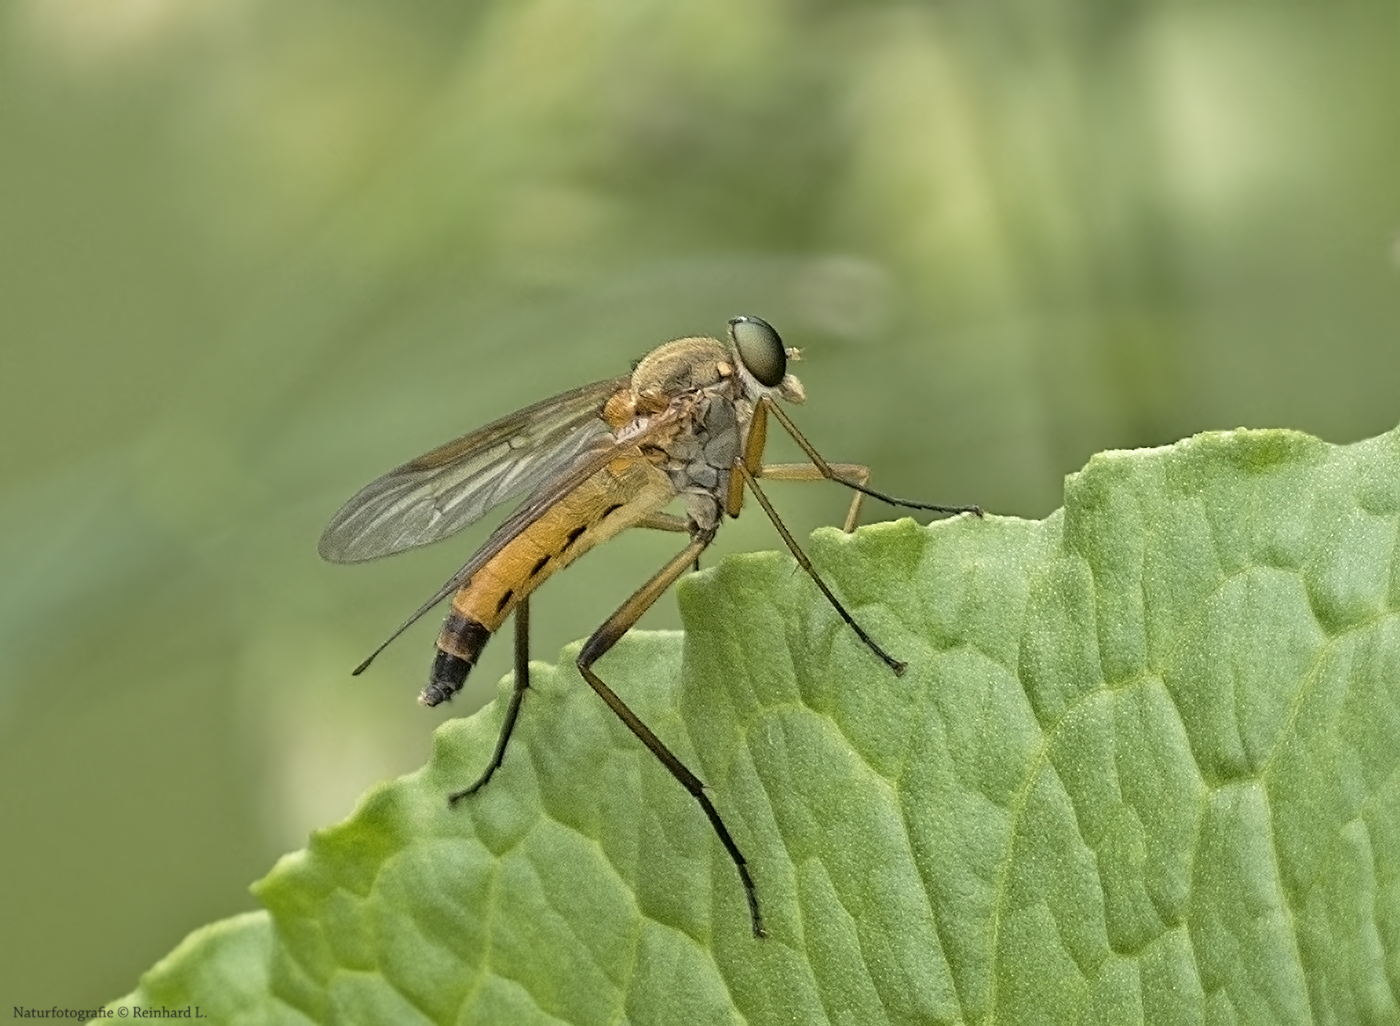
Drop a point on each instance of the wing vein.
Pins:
(454, 485)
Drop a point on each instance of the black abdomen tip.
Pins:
(448, 675)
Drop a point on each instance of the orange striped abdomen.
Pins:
(616, 498)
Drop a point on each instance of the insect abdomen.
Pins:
(459, 645)
(614, 499)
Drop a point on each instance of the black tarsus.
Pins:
(522, 684)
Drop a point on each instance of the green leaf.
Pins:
(1142, 768)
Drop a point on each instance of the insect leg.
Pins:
(668, 522)
(665, 522)
(844, 473)
(603, 639)
(522, 683)
(806, 564)
(442, 593)
(826, 470)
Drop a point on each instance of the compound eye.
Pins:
(760, 348)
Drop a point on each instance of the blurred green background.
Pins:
(253, 254)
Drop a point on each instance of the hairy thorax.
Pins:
(695, 377)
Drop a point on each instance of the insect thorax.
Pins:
(698, 459)
(699, 456)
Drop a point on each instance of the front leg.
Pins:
(829, 472)
(854, 474)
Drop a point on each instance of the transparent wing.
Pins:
(543, 498)
(446, 489)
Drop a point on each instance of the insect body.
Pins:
(689, 423)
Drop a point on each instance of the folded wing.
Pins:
(444, 490)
